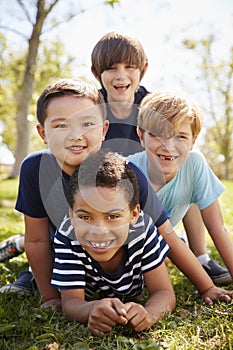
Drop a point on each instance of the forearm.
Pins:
(77, 310)
(213, 220)
(159, 304)
(224, 246)
(40, 258)
(186, 261)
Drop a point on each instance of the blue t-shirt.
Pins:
(195, 182)
(144, 250)
(42, 190)
(122, 134)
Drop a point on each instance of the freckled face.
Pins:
(101, 219)
(73, 129)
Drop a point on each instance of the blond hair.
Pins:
(162, 113)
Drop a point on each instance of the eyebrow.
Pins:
(81, 117)
(184, 133)
(58, 119)
(107, 212)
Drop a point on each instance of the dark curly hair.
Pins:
(105, 169)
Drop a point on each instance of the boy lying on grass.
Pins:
(115, 250)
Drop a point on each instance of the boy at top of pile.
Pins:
(119, 63)
(115, 249)
(168, 127)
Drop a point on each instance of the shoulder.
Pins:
(144, 224)
(197, 163)
(197, 157)
(137, 157)
(35, 158)
(142, 92)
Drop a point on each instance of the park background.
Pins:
(190, 50)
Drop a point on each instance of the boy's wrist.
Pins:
(50, 296)
(202, 292)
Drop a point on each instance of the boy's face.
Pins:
(166, 155)
(121, 82)
(101, 217)
(73, 129)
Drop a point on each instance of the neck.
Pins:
(156, 177)
(121, 110)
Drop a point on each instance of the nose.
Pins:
(120, 73)
(76, 134)
(99, 228)
(167, 143)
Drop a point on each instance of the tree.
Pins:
(23, 97)
(49, 68)
(218, 78)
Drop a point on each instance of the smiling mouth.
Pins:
(169, 158)
(122, 88)
(76, 148)
(100, 245)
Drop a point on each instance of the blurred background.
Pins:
(188, 43)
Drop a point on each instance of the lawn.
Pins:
(23, 325)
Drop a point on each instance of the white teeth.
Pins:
(76, 148)
(166, 158)
(100, 244)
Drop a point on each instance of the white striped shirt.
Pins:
(74, 268)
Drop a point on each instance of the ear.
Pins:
(41, 132)
(140, 135)
(135, 214)
(105, 129)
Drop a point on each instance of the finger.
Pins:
(119, 307)
(208, 301)
(225, 298)
(97, 333)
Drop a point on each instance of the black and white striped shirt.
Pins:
(74, 268)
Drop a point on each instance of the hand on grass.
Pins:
(55, 304)
(217, 294)
(105, 314)
(138, 317)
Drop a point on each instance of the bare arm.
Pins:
(99, 315)
(39, 254)
(162, 300)
(213, 220)
(186, 261)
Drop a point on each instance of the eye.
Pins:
(84, 217)
(131, 67)
(181, 137)
(109, 68)
(61, 126)
(152, 135)
(112, 216)
(87, 124)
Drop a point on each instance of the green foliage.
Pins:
(53, 63)
(8, 189)
(192, 326)
(217, 78)
(112, 2)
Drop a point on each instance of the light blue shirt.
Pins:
(195, 182)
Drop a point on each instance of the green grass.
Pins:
(23, 325)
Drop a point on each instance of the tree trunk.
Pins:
(25, 92)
